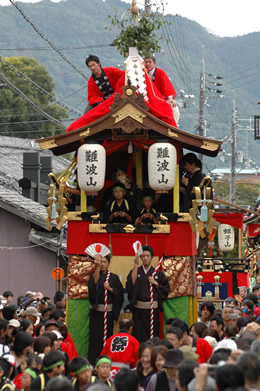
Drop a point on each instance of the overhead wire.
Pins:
(43, 36)
(35, 85)
(31, 103)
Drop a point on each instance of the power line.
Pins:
(47, 40)
(35, 85)
(38, 109)
(60, 48)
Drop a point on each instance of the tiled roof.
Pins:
(11, 160)
(22, 206)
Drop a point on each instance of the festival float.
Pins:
(135, 131)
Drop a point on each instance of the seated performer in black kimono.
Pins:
(118, 211)
(138, 289)
(193, 166)
(147, 214)
(115, 295)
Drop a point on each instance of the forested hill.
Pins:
(76, 28)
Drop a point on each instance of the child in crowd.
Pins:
(7, 371)
(147, 214)
(120, 210)
(102, 370)
(26, 378)
(80, 369)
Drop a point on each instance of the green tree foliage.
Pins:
(17, 116)
(141, 34)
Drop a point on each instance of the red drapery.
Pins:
(233, 219)
(157, 106)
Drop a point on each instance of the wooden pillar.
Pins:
(176, 192)
(139, 169)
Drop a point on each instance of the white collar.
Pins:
(146, 271)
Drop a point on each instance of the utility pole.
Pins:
(233, 155)
(147, 7)
(201, 127)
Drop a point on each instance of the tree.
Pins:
(19, 117)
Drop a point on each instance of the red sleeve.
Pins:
(204, 350)
(94, 93)
(164, 84)
(73, 348)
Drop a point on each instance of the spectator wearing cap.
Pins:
(51, 325)
(165, 380)
(12, 330)
(32, 314)
(119, 211)
(8, 295)
(102, 83)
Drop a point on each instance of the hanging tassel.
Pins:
(110, 247)
(130, 147)
(53, 209)
(204, 213)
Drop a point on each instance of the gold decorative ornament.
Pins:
(172, 134)
(48, 144)
(209, 146)
(85, 133)
(128, 111)
(129, 228)
(129, 92)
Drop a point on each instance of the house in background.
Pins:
(28, 251)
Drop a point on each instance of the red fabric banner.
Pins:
(233, 219)
(253, 230)
(180, 242)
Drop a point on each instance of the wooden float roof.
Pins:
(129, 119)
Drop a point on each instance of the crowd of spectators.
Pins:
(219, 352)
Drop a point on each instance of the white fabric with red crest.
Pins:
(137, 246)
(97, 249)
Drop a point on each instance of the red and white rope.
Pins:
(151, 298)
(105, 311)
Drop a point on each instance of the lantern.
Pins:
(226, 237)
(91, 167)
(162, 160)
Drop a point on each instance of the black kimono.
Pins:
(140, 291)
(114, 207)
(194, 180)
(96, 317)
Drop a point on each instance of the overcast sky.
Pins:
(221, 17)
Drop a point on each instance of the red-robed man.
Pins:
(163, 83)
(102, 83)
